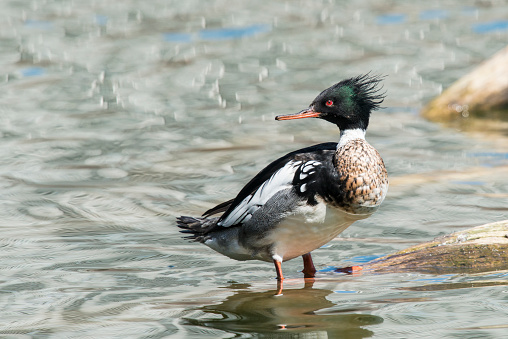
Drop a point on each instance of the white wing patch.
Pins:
(307, 169)
(280, 180)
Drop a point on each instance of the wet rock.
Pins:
(478, 249)
(481, 93)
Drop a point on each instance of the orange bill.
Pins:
(306, 113)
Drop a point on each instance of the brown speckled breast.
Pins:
(362, 175)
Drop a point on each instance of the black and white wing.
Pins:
(282, 179)
(296, 169)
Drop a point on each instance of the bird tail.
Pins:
(196, 228)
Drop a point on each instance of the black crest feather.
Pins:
(367, 90)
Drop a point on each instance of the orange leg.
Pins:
(309, 271)
(279, 287)
(278, 269)
(280, 277)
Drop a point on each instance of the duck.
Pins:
(303, 200)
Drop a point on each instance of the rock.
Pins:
(483, 92)
(479, 249)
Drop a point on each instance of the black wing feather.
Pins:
(218, 209)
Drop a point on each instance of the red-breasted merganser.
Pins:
(306, 198)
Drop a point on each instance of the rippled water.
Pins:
(117, 116)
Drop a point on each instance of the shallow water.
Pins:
(116, 117)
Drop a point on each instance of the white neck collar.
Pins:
(350, 134)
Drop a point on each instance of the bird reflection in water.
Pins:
(297, 311)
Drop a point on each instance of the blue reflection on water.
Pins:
(388, 19)
(328, 269)
(232, 33)
(364, 258)
(501, 155)
(32, 71)
(493, 26)
(345, 291)
(218, 34)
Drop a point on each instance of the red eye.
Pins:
(329, 103)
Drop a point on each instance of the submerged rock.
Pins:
(481, 93)
(478, 249)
